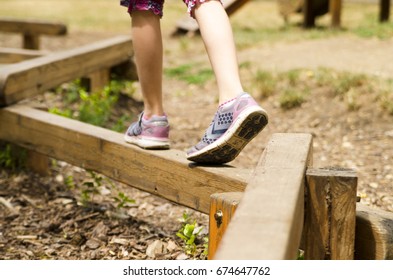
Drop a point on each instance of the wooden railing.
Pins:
(267, 213)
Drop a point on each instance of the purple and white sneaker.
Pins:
(149, 134)
(234, 125)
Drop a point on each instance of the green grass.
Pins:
(96, 108)
(193, 73)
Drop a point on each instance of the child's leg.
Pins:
(147, 42)
(239, 118)
(151, 131)
(217, 35)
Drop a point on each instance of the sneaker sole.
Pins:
(227, 147)
(148, 144)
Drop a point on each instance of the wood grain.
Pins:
(329, 231)
(268, 222)
(374, 234)
(164, 173)
(34, 76)
(222, 209)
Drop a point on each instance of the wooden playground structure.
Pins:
(267, 213)
(187, 25)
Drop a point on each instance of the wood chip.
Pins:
(119, 241)
(93, 244)
(8, 205)
(172, 246)
(155, 248)
(31, 237)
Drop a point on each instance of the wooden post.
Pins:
(31, 41)
(222, 208)
(269, 220)
(335, 12)
(38, 163)
(329, 231)
(97, 80)
(374, 234)
(384, 10)
(308, 14)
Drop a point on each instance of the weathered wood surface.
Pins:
(223, 206)
(268, 222)
(329, 231)
(32, 29)
(12, 55)
(34, 76)
(189, 25)
(164, 173)
(374, 234)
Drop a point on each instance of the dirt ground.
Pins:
(41, 216)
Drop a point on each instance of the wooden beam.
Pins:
(374, 234)
(329, 231)
(32, 27)
(189, 25)
(34, 76)
(268, 222)
(164, 173)
(222, 208)
(12, 55)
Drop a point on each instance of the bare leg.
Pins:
(148, 48)
(217, 35)
(238, 121)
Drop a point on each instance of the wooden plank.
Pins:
(222, 208)
(33, 27)
(34, 76)
(12, 55)
(329, 230)
(384, 10)
(374, 234)
(189, 25)
(164, 173)
(268, 222)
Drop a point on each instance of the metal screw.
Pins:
(218, 216)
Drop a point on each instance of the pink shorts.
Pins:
(156, 6)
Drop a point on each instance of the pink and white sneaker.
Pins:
(234, 125)
(149, 134)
